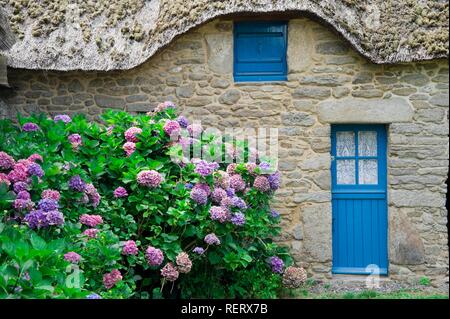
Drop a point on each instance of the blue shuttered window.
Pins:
(260, 51)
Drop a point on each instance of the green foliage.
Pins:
(164, 217)
(425, 281)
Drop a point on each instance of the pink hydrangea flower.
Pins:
(91, 232)
(120, 192)
(19, 173)
(129, 148)
(130, 248)
(150, 178)
(162, 107)
(212, 239)
(111, 279)
(251, 167)
(154, 256)
(199, 196)
(35, 157)
(222, 179)
(91, 220)
(219, 213)
(75, 140)
(218, 194)
(261, 183)
(130, 134)
(170, 272)
(184, 264)
(205, 187)
(52, 194)
(93, 195)
(237, 182)
(109, 130)
(4, 179)
(231, 168)
(23, 204)
(226, 202)
(72, 257)
(195, 130)
(172, 128)
(6, 161)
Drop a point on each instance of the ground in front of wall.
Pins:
(388, 289)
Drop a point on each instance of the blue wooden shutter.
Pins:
(260, 51)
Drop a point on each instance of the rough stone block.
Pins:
(350, 110)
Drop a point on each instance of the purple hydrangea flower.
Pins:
(237, 183)
(91, 220)
(110, 279)
(274, 180)
(6, 161)
(199, 196)
(35, 170)
(62, 117)
(172, 128)
(36, 219)
(219, 213)
(277, 264)
(204, 168)
(93, 296)
(218, 194)
(72, 257)
(23, 204)
(230, 192)
(274, 213)
(182, 121)
(149, 178)
(211, 239)
(48, 204)
(264, 166)
(238, 202)
(39, 218)
(154, 256)
(35, 157)
(188, 186)
(131, 133)
(50, 193)
(91, 232)
(130, 248)
(120, 192)
(92, 194)
(20, 186)
(24, 195)
(199, 250)
(55, 217)
(261, 183)
(77, 184)
(170, 272)
(30, 127)
(238, 219)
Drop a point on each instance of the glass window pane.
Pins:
(345, 172)
(367, 143)
(368, 171)
(345, 143)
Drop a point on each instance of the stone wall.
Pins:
(328, 82)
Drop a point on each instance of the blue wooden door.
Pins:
(359, 198)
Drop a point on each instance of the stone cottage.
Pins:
(357, 89)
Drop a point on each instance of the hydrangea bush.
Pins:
(117, 210)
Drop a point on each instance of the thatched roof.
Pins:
(121, 34)
(6, 35)
(6, 42)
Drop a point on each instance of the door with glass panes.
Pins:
(359, 199)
